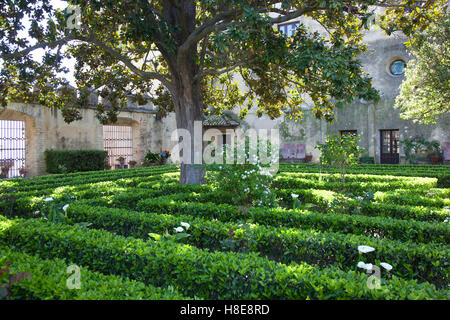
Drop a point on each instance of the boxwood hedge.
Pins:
(200, 273)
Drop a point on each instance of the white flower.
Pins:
(387, 266)
(366, 266)
(179, 229)
(65, 207)
(361, 265)
(186, 225)
(295, 196)
(365, 249)
(48, 199)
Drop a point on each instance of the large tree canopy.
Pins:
(195, 54)
(425, 94)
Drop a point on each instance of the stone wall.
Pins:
(365, 117)
(45, 129)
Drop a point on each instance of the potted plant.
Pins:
(164, 156)
(121, 161)
(308, 158)
(132, 163)
(152, 159)
(4, 171)
(23, 172)
(435, 152)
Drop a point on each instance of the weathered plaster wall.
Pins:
(45, 129)
(365, 117)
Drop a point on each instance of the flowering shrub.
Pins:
(248, 183)
(374, 281)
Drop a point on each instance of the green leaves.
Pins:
(340, 151)
(425, 94)
(223, 38)
(48, 282)
(167, 263)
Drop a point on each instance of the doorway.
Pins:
(390, 151)
(12, 148)
(118, 141)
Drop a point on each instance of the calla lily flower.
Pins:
(366, 266)
(387, 266)
(365, 249)
(186, 225)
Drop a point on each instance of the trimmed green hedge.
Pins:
(281, 182)
(48, 282)
(61, 161)
(432, 171)
(201, 273)
(444, 181)
(324, 198)
(279, 244)
(394, 229)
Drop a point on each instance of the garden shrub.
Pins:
(65, 161)
(220, 275)
(444, 181)
(285, 245)
(344, 223)
(367, 160)
(49, 277)
(340, 151)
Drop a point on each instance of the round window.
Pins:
(397, 67)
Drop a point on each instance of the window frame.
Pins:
(283, 28)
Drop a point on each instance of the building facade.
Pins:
(27, 130)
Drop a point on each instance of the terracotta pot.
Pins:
(308, 158)
(434, 159)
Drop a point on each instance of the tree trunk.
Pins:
(186, 93)
(189, 114)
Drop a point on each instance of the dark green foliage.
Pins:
(59, 161)
(444, 181)
(230, 252)
(48, 282)
(285, 245)
(384, 227)
(367, 160)
(198, 272)
(152, 158)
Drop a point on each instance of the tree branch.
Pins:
(92, 40)
(225, 20)
(215, 72)
(43, 45)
